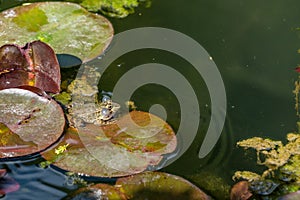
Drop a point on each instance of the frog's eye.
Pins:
(105, 112)
(105, 99)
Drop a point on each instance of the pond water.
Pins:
(254, 45)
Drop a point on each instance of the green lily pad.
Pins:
(96, 145)
(66, 27)
(29, 123)
(159, 186)
(98, 191)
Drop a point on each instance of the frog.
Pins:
(84, 106)
(100, 113)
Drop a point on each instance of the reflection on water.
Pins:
(254, 45)
(36, 182)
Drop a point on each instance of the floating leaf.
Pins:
(146, 133)
(35, 64)
(159, 185)
(66, 27)
(98, 191)
(29, 122)
(97, 146)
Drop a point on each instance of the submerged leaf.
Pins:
(66, 27)
(98, 191)
(30, 122)
(159, 185)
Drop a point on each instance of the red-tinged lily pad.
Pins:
(96, 145)
(159, 186)
(114, 162)
(98, 191)
(35, 64)
(29, 122)
(7, 184)
(142, 132)
(66, 27)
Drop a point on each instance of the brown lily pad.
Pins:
(98, 191)
(35, 64)
(29, 122)
(67, 27)
(159, 186)
(97, 146)
(142, 132)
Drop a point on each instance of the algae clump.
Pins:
(282, 161)
(114, 8)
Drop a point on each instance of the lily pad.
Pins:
(98, 191)
(66, 27)
(146, 133)
(97, 146)
(158, 186)
(29, 122)
(35, 64)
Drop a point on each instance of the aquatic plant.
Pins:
(114, 8)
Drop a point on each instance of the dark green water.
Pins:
(253, 43)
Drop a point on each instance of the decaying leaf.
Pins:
(98, 191)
